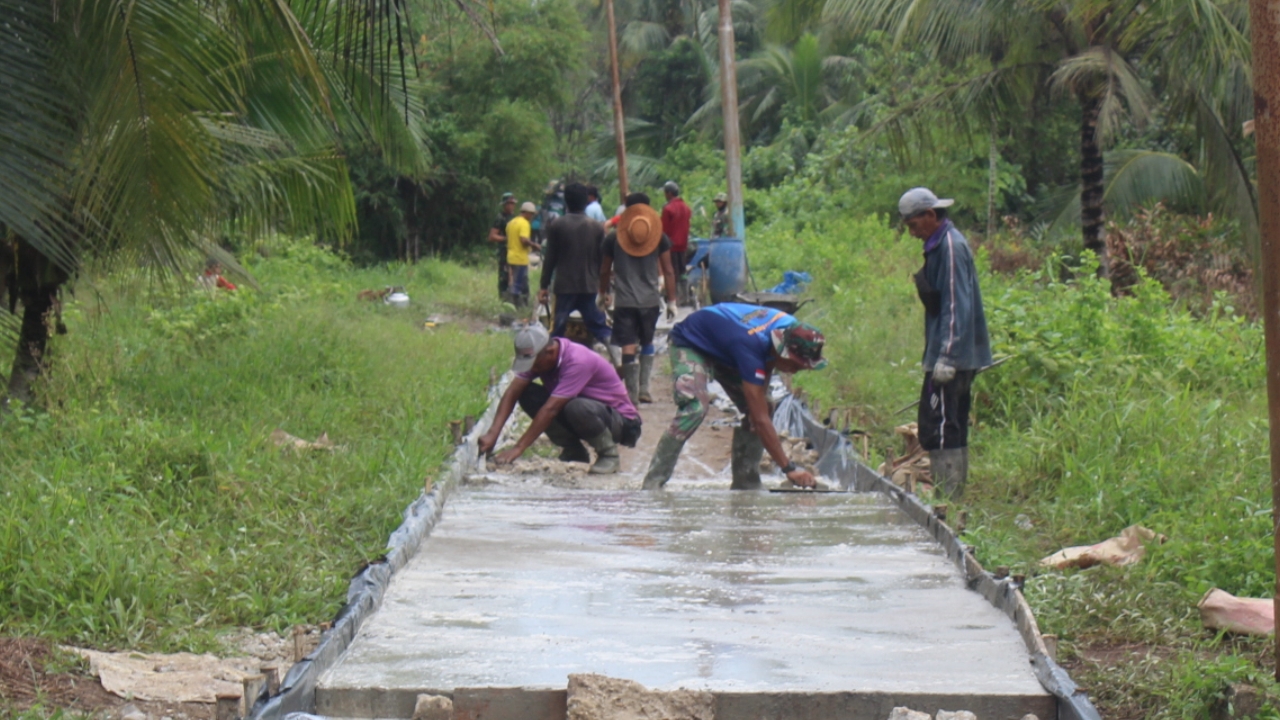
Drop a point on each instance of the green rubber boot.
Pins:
(631, 378)
(950, 469)
(607, 460)
(745, 458)
(646, 370)
(663, 462)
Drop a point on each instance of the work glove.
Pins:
(602, 301)
(943, 373)
(671, 311)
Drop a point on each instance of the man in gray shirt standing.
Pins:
(572, 260)
(636, 256)
(957, 344)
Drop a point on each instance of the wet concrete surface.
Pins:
(750, 595)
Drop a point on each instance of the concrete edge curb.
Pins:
(297, 694)
(837, 459)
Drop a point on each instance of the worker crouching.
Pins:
(740, 346)
(579, 399)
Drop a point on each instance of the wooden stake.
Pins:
(228, 707)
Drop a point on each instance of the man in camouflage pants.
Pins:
(739, 346)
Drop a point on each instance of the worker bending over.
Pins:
(580, 398)
(739, 346)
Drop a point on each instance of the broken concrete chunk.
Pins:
(433, 707)
(598, 697)
(955, 715)
(1220, 610)
(902, 713)
(1125, 549)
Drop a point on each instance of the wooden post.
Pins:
(228, 707)
(299, 651)
(1264, 23)
(619, 118)
(732, 132)
(252, 689)
(272, 674)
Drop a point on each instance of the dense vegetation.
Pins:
(139, 142)
(148, 506)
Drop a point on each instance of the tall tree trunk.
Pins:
(33, 340)
(1093, 224)
(34, 280)
(993, 167)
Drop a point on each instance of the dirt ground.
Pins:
(33, 673)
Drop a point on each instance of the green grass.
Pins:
(147, 508)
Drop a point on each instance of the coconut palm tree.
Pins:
(138, 131)
(1103, 54)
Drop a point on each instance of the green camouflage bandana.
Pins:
(802, 342)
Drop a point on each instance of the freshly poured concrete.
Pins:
(750, 595)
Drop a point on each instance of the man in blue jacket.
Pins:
(956, 343)
(739, 346)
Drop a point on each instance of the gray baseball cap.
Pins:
(530, 340)
(671, 186)
(917, 200)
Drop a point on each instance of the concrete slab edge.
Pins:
(297, 695)
(838, 460)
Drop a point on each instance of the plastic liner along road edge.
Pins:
(297, 694)
(838, 460)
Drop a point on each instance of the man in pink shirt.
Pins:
(580, 398)
(675, 223)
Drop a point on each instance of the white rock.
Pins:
(956, 715)
(131, 712)
(1029, 716)
(901, 713)
(433, 707)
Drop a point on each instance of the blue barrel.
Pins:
(728, 271)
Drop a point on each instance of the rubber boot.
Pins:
(631, 378)
(646, 370)
(747, 451)
(571, 448)
(663, 462)
(950, 469)
(607, 461)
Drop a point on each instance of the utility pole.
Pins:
(732, 141)
(1264, 19)
(619, 120)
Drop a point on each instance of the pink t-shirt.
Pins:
(580, 372)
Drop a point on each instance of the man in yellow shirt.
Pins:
(519, 243)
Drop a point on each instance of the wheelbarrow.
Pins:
(785, 302)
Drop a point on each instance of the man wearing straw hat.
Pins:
(739, 346)
(579, 398)
(635, 257)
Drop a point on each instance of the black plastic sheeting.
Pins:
(297, 696)
(838, 460)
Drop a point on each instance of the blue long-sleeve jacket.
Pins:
(955, 326)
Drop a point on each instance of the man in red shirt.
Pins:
(675, 224)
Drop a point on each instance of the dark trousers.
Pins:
(580, 419)
(592, 315)
(502, 272)
(943, 416)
